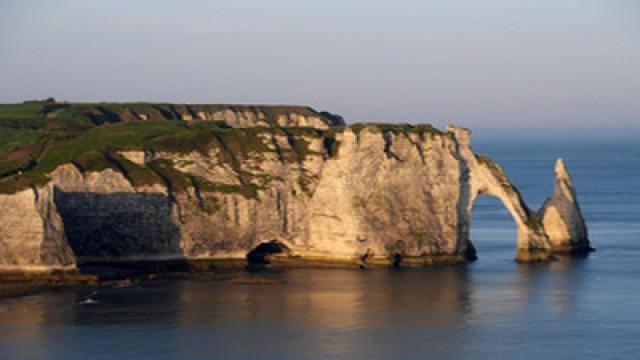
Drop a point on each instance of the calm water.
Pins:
(491, 309)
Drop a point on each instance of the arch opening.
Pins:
(492, 228)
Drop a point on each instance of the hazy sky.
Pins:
(477, 63)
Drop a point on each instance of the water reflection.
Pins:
(452, 311)
(329, 310)
(568, 275)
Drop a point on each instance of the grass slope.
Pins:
(32, 144)
(38, 136)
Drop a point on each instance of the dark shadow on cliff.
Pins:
(258, 258)
(103, 228)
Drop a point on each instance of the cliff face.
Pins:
(32, 233)
(367, 195)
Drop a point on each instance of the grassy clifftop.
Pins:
(33, 142)
(51, 114)
(26, 157)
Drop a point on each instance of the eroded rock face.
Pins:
(562, 217)
(372, 200)
(365, 195)
(488, 178)
(32, 233)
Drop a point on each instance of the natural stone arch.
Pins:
(488, 178)
(532, 243)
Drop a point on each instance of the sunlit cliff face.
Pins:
(364, 195)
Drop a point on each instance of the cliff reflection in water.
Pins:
(334, 313)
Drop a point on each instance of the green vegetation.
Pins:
(21, 116)
(496, 170)
(397, 129)
(534, 221)
(38, 136)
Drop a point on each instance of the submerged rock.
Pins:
(561, 215)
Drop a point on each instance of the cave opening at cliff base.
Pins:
(259, 255)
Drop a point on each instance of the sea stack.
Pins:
(562, 218)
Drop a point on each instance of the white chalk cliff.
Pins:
(365, 195)
(561, 215)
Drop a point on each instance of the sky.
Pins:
(481, 64)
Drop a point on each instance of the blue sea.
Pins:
(494, 308)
